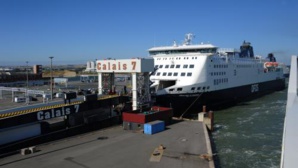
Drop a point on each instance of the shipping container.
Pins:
(155, 113)
(154, 127)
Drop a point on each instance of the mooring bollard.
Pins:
(211, 117)
(204, 108)
(201, 116)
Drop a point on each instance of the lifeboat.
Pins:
(270, 64)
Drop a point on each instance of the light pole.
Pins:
(27, 74)
(51, 83)
(27, 95)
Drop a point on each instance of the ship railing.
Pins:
(225, 50)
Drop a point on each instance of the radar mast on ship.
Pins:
(188, 39)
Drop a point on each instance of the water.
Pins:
(249, 135)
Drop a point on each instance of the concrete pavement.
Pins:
(186, 145)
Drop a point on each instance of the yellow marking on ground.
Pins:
(156, 155)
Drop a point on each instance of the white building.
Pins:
(91, 66)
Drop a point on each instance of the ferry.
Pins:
(189, 76)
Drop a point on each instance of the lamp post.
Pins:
(27, 74)
(27, 95)
(51, 83)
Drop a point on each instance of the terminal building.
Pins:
(13, 78)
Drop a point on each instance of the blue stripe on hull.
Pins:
(217, 99)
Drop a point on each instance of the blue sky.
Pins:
(77, 31)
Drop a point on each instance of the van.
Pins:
(19, 99)
(59, 95)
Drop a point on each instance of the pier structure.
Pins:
(184, 143)
(138, 68)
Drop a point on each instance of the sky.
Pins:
(77, 31)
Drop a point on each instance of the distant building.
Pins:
(37, 69)
(10, 78)
(5, 70)
(91, 66)
(20, 79)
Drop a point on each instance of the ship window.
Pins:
(198, 88)
(156, 66)
(185, 66)
(191, 66)
(171, 90)
(193, 88)
(211, 73)
(179, 89)
(203, 88)
(170, 74)
(160, 66)
(175, 73)
(177, 66)
(189, 74)
(158, 73)
(172, 66)
(208, 87)
(164, 74)
(183, 74)
(167, 66)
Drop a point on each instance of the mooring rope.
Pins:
(190, 105)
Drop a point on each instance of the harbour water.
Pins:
(249, 135)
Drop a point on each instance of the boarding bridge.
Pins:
(289, 155)
(138, 68)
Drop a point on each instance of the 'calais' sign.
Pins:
(57, 112)
(126, 65)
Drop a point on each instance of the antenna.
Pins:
(175, 44)
(154, 39)
(188, 38)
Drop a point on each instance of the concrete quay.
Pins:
(182, 144)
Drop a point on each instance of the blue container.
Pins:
(154, 127)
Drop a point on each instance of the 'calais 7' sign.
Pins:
(125, 65)
(57, 112)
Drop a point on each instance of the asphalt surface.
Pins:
(184, 144)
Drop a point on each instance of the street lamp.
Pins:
(51, 83)
(27, 95)
(27, 74)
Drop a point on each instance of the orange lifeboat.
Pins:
(270, 64)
